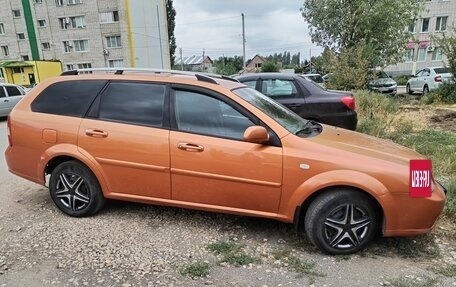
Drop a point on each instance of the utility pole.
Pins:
(182, 62)
(310, 61)
(243, 40)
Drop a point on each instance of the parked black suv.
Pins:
(306, 98)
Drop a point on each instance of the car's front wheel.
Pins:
(75, 189)
(341, 221)
(425, 90)
(409, 91)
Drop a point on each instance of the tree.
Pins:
(380, 25)
(228, 65)
(270, 66)
(447, 42)
(170, 16)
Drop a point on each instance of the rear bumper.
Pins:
(347, 120)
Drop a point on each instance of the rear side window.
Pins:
(138, 103)
(441, 70)
(276, 88)
(69, 98)
(13, 91)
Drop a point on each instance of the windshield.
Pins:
(286, 118)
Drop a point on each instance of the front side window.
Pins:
(441, 23)
(113, 42)
(437, 55)
(137, 103)
(421, 55)
(202, 114)
(81, 45)
(69, 98)
(13, 91)
(425, 25)
(276, 88)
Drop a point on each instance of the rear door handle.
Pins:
(190, 147)
(5, 101)
(96, 133)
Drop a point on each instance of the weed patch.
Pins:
(232, 253)
(293, 263)
(446, 270)
(415, 282)
(195, 269)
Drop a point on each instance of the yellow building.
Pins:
(28, 73)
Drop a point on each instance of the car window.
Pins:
(426, 72)
(138, 103)
(251, 84)
(315, 78)
(441, 70)
(202, 114)
(69, 98)
(13, 91)
(2, 92)
(419, 74)
(276, 88)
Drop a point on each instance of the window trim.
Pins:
(439, 29)
(108, 41)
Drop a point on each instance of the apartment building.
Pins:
(437, 18)
(85, 33)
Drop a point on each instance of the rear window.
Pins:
(69, 98)
(441, 70)
(315, 78)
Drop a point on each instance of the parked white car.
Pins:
(428, 79)
(10, 95)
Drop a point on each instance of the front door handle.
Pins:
(190, 147)
(96, 133)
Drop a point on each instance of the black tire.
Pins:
(75, 189)
(425, 90)
(407, 88)
(327, 225)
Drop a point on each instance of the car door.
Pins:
(414, 81)
(14, 95)
(424, 79)
(211, 164)
(126, 132)
(5, 105)
(284, 91)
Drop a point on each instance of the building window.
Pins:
(408, 56)
(70, 67)
(113, 42)
(17, 70)
(63, 22)
(25, 58)
(74, 2)
(421, 55)
(109, 17)
(21, 36)
(67, 46)
(115, 63)
(38, 1)
(5, 51)
(81, 45)
(16, 13)
(441, 23)
(59, 3)
(412, 27)
(425, 25)
(437, 55)
(2, 29)
(85, 66)
(77, 22)
(45, 46)
(41, 23)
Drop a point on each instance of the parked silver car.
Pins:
(383, 83)
(10, 95)
(428, 79)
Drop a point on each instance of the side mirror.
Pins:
(413, 76)
(256, 134)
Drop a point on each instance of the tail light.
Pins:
(349, 101)
(8, 129)
(438, 79)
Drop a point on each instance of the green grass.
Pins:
(445, 270)
(232, 253)
(293, 263)
(195, 269)
(408, 282)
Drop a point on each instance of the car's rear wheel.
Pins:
(409, 91)
(341, 221)
(425, 90)
(75, 189)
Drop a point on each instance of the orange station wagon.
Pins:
(210, 143)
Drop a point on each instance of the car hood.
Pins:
(365, 145)
(381, 82)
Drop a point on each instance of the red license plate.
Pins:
(420, 178)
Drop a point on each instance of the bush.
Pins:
(270, 67)
(445, 93)
(402, 80)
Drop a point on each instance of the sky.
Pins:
(215, 26)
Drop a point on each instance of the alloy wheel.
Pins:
(72, 192)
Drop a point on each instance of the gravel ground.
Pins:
(139, 245)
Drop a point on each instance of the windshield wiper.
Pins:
(305, 129)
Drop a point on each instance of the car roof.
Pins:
(169, 76)
(283, 76)
(310, 75)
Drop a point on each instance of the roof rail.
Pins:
(206, 77)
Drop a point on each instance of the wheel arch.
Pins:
(301, 210)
